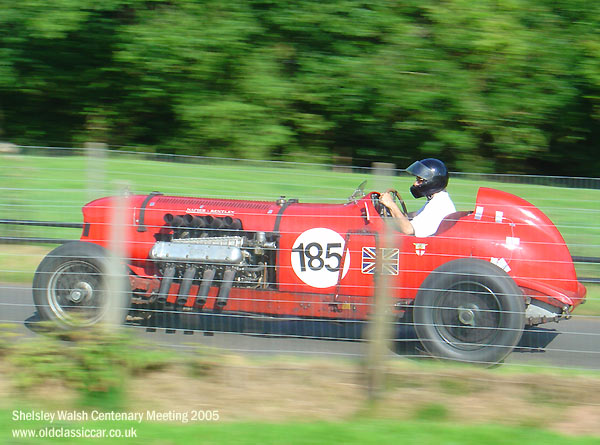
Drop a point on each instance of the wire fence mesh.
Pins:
(271, 257)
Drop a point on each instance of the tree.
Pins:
(507, 86)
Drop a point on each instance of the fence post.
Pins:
(117, 283)
(379, 330)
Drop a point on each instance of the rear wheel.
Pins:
(71, 287)
(469, 310)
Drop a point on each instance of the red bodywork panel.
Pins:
(324, 261)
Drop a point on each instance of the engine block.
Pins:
(210, 251)
(221, 250)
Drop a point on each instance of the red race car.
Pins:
(469, 290)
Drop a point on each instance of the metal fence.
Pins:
(296, 287)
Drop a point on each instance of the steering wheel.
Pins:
(383, 210)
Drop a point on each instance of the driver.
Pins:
(432, 179)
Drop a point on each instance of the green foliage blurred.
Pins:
(504, 86)
(96, 363)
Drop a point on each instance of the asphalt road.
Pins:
(571, 343)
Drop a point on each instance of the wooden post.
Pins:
(380, 324)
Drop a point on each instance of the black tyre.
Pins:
(70, 287)
(469, 310)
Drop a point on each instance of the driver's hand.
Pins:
(387, 200)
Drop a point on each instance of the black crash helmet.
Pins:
(434, 174)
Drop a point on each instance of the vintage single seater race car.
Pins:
(469, 290)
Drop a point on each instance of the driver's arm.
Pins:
(402, 221)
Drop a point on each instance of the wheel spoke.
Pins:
(468, 315)
(75, 292)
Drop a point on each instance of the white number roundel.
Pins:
(317, 257)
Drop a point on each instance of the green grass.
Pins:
(432, 417)
(54, 188)
(359, 431)
(592, 304)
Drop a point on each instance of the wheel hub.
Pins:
(466, 314)
(80, 292)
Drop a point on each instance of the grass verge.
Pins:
(255, 400)
(359, 431)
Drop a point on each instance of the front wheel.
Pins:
(469, 310)
(71, 287)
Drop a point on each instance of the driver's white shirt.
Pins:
(429, 217)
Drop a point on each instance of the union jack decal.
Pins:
(391, 260)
